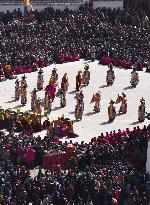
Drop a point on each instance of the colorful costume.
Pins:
(33, 98)
(111, 111)
(40, 80)
(47, 103)
(134, 78)
(64, 83)
(24, 95)
(110, 75)
(141, 111)
(17, 90)
(80, 105)
(96, 98)
(54, 74)
(38, 107)
(51, 91)
(78, 81)
(123, 107)
(62, 94)
(23, 81)
(86, 76)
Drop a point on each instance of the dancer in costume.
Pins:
(110, 75)
(96, 98)
(134, 78)
(80, 105)
(23, 81)
(17, 90)
(111, 111)
(141, 110)
(86, 75)
(38, 106)
(122, 99)
(40, 80)
(78, 81)
(24, 95)
(64, 83)
(62, 94)
(33, 98)
(51, 90)
(47, 103)
(54, 74)
(50, 93)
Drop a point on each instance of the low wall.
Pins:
(108, 3)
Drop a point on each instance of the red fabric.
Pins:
(70, 149)
(30, 155)
(24, 69)
(105, 60)
(51, 160)
(51, 91)
(68, 58)
(139, 67)
(119, 63)
(117, 194)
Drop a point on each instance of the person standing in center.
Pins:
(78, 81)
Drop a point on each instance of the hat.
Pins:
(23, 77)
(111, 102)
(17, 81)
(123, 95)
(86, 67)
(142, 100)
(40, 71)
(111, 65)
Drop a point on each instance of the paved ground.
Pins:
(92, 124)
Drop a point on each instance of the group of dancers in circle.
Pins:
(82, 79)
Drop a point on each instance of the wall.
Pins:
(4, 8)
(148, 159)
(73, 6)
(144, 3)
(111, 4)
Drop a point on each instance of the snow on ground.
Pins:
(92, 124)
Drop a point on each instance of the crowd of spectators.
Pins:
(109, 170)
(60, 36)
